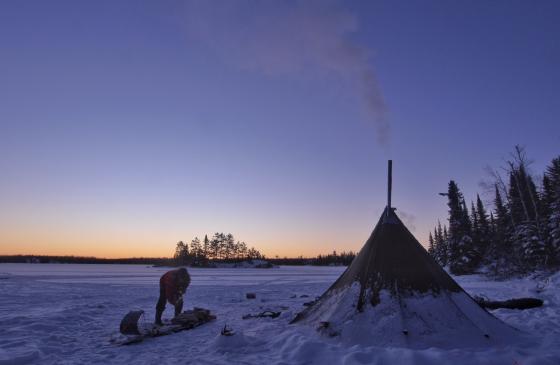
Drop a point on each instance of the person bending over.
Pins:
(172, 286)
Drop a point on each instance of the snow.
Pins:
(429, 319)
(67, 314)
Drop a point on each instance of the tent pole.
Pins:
(389, 184)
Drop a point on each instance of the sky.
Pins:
(126, 126)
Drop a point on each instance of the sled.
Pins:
(133, 329)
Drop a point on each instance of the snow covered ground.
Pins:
(67, 314)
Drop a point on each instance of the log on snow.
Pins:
(516, 303)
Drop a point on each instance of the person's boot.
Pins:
(158, 318)
(179, 306)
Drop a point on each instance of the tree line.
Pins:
(224, 248)
(519, 233)
(221, 247)
(334, 259)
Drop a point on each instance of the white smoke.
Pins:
(409, 220)
(287, 38)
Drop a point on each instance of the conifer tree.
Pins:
(445, 248)
(491, 236)
(476, 234)
(552, 200)
(471, 257)
(440, 249)
(215, 245)
(431, 246)
(196, 248)
(546, 200)
(441, 245)
(484, 230)
(501, 251)
(229, 246)
(437, 247)
(181, 254)
(206, 246)
(529, 245)
(515, 204)
(461, 254)
(455, 233)
(243, 250)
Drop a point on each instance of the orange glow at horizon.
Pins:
(81, 226)
(121, 246)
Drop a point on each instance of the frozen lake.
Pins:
(67, 314)
(147, 275)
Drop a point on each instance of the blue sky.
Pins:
(126, 126)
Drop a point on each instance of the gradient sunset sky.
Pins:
(126, 126)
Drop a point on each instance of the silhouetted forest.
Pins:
(518, 234)
(220, 248)
(225, 248)
(334, 259)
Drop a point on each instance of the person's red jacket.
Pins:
(174, 285)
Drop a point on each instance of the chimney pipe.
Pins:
(389, 184)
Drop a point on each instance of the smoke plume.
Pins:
(290, 38)
(409, 219)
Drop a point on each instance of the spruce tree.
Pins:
(206, 246)
(461, 253)
(441, 246)
(547, 197)
(517, 207)
(476, 235)
(215, 245)
(529, 245)
(455, 233)
(553, 202)
(533, 251)
(484, 230)
(492, 224)
(229, 246)
(431, 247)
(546, 200)
(196, 250)
(181, 254)
(491, 237)
(501, 249)
(471, 257)
(445, 248)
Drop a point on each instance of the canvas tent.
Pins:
(395, 294)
